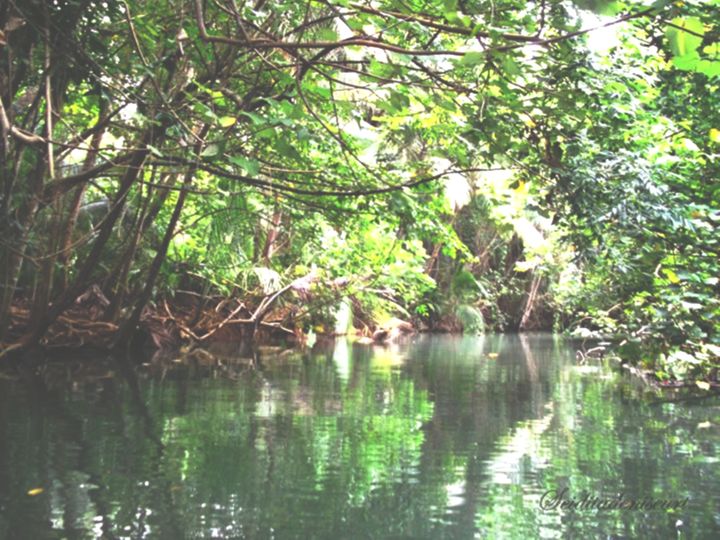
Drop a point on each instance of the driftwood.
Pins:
(392, 330)
(255, 321)
(197, 320)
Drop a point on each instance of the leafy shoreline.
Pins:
(467, 166)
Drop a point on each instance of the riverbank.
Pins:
(166, 324)
(210, 336)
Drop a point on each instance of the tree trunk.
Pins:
(65, 244)
(134, 167)
(531, 300)
(119, 287)
(16, 250)
(129, 327)
(272, 234)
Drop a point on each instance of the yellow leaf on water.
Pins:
(493, 355)
(704, 425)
(35, 491)
(702, 385)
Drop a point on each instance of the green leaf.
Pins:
(712, 50)
(601, 7)
(255, 118)
(356, 23)
(154, 151)
(688, 62)
(471, 59)
(321, 91)
(510, 66)
(250, 166)
(327, 34)
(711, 68)
(212, 150)
(672, 276)
(381, 69)
(685, 35)
(287, 150)
(266, 133)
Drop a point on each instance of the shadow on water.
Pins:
(437, 437)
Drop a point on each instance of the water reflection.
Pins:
(439, 437)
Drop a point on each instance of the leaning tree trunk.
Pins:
(65, 244)
(17, 249)
(134, 168)
(118, 285)
(130, 325)
(531, 301)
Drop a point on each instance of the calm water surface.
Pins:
(440, 437)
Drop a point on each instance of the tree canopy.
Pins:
(509, 164)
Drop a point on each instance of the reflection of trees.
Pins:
(478, 398)
(309, 447)
(603, 439)
(437, 439)
(86, 448)
(294, 445)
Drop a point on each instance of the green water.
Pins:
(441, 437)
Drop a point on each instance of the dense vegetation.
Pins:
(466, 165)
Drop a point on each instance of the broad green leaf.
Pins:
(381, 69)
(287, 150)
(685, 35)
(458, 17)
(266, 133)
(356, 23)
(254, 117)
(471, 59)
(212, 150)
(154, 151)
(510, 66)
(321, 91)
(688, 62)
(601, 7)
(327, 34)
(251, 166)
(712, 50)
(711, 68)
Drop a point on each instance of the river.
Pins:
(500, 436)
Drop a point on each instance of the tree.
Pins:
(231, 117)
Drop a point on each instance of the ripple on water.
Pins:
(438, 439)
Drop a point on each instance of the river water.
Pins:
(440, 437)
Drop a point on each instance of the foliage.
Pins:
(491, 155)
(471, 319)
